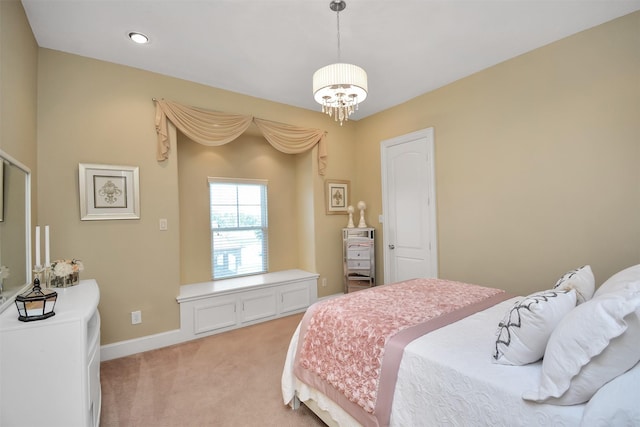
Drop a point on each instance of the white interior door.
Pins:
(408, 203)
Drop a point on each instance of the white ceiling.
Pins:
(270, 49)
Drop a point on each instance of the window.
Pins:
(238, 227)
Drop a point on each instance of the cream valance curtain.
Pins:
(214, 128)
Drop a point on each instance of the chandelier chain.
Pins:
(338, 21)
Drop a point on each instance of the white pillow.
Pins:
(581, 279)
(593, 344)
(619, 280)
(525, 329)
(617, 403)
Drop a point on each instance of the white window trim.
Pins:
(246, 181)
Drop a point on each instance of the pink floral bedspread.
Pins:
(343, 341)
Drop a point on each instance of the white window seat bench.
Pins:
(216, 306)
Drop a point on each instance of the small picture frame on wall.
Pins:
(337, 195)
(108, 192)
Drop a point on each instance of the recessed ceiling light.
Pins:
(138, 37)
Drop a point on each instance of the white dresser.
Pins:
(50, 369)
(358, 258)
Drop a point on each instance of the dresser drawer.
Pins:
(364, 264)
(358, 252)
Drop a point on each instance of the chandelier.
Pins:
(339, 87)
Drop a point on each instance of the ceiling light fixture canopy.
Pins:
(339, 87)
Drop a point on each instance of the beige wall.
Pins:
(18, 78)
(95, 112)
(535, 166)
(18, 99)
(248, 157)
(536, 161)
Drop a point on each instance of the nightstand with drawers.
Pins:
(358, 256)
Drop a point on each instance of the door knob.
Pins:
(392, 247)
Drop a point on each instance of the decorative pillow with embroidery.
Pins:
(523, 333)
(582, 280)
(595, 343)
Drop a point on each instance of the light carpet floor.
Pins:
(229, 379)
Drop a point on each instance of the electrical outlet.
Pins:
(324, 282)
(136, 317)
(164, 226)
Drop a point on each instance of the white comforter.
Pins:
(447, 378)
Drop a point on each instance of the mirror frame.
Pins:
(8, 301)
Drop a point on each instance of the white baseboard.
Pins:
(153, 342)
(139, 345)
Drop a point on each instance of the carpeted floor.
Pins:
(230, 379)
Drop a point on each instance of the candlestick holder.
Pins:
(38, 273)
(350, 223)
(47, 274)
(362, 206)
(44, 274)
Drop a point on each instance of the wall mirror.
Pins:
(15, 224)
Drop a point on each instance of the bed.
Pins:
(431, 352)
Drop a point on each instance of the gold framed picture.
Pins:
(337, 195)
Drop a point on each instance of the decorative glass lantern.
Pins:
(36, 304)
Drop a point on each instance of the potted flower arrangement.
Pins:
(66, 272)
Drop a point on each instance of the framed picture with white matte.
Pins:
(337, 196)
(108, 192)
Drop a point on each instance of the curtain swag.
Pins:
(214, 128)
